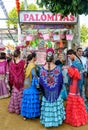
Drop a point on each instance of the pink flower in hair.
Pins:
(50, 50)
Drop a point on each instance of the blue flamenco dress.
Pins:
(30, 107)
(52, 108)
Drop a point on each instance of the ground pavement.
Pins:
(10, 121)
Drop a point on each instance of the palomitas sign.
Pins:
(45, 17)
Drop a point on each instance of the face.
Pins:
(60, 56)
(35, 58)
(71, 56)
(80, 52)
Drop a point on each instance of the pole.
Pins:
(25, 4)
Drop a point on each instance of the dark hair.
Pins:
(16, 54)
(29, 58)
(49, 58)
(85, 53)
(79, 48)
(2, 55)
(33, 54)
(70, 52)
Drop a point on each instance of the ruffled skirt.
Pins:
(52, 114)
(4, 90)
(15, 101)
(76, 114)
(30, 107)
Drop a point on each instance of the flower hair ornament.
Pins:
(49, 53)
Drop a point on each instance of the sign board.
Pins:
(41, 57)
(44, 17)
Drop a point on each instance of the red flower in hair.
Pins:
(50, 50)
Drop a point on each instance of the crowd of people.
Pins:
(56, 92)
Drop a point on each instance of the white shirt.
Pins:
(84, 62)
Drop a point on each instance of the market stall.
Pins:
(42, 29)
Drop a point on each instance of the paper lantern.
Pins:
(56, 37)
(29, 38)
(49, 44)
(17, 5)
(27, 43)
(2, 49)
(69, 37)
(62, 36)
(46, 36)
(61, 44)
(22, 38)
(36, 41)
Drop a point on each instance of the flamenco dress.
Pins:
(30, 106)
(52, 108)
(76, 114)
(16, 80)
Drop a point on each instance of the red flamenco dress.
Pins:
(76, 114)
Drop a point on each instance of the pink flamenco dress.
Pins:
(76, 114)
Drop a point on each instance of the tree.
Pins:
(65, 7)
(13, 15)
(83, 33)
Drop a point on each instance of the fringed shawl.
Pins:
(28, 71)
(51, 86)
(17, 74)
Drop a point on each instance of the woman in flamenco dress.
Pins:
(4, 73)
(51, 80)
(76, 114)
(16, 77)
(30, 107)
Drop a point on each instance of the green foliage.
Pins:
(32, 7)
(65, 7)
(83, 33)
(13, 15)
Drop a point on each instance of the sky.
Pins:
(9, 4)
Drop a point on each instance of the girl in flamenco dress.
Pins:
(60, 62)
(51, 80)
(4, 72)
(30, 107)
(16, 78)
(76, 114)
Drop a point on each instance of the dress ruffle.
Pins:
(52, 114)
(76, 114)
(4, 91)
(15, 101)
(30, 106)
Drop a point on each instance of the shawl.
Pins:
(28, 71)
(51, 86)
(16, 75)
(77, 64)
(75, 76)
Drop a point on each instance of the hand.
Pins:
(65, 67)
(85, 74)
